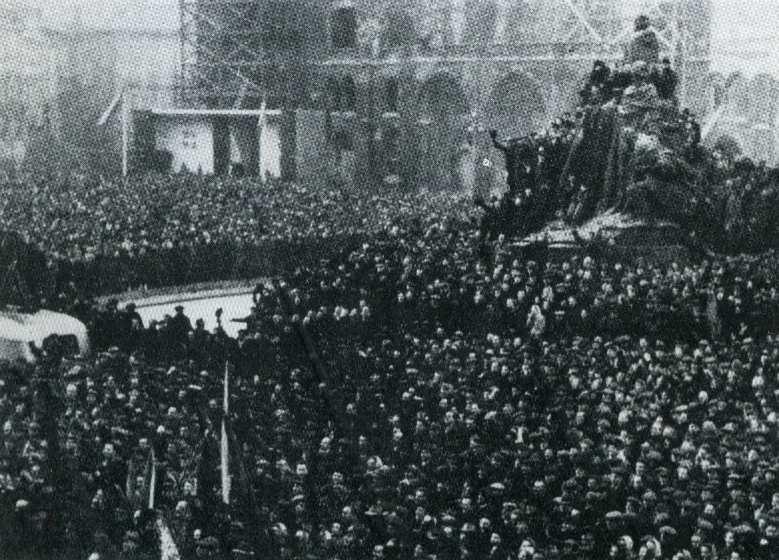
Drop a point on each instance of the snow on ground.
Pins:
(235, 306)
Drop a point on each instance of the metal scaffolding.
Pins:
(682, 26)
(221, 53)
(225, 63)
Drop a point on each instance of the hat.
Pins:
(209, 543)
(667, 530)
(705, 525)
(179, 308)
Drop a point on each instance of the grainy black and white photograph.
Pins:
(389, 279)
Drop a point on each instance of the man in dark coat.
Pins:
(665, 79)
(644, 46)
(179, 326)
(108, 324)
(131, 314)
(520, 161)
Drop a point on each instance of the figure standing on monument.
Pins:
(520, 158)
(644, 46)
(620, 79)
(596, 90)
(665, 79)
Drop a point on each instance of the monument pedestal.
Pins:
(618, 235)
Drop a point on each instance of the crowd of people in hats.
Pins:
(411, 398)
(106, 235)
(412, 384)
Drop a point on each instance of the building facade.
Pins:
(401, 89)
(66, 63)
(27, 82)
(409, 88)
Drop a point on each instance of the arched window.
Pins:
(516, 106)
(442, 97)
(343, 28)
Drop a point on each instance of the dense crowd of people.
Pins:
(81, 218)
(411, 383)
(107, 235)
(411, 398)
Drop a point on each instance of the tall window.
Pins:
(343, 28)
(282, 26)
(480, 18)
(333, 93)
(391, 96)
(348, 94)
(398, 30)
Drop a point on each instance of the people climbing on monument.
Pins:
(622, 78)
(600, 73)
(581, 165)
(641, 95)
(520, 161)
(597, 89)
(579, 208)
(665, 79)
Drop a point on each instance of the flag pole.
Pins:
(260, 132)
(125, 115)
(152, 479)
(224, 447)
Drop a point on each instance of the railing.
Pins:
(514, 50)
